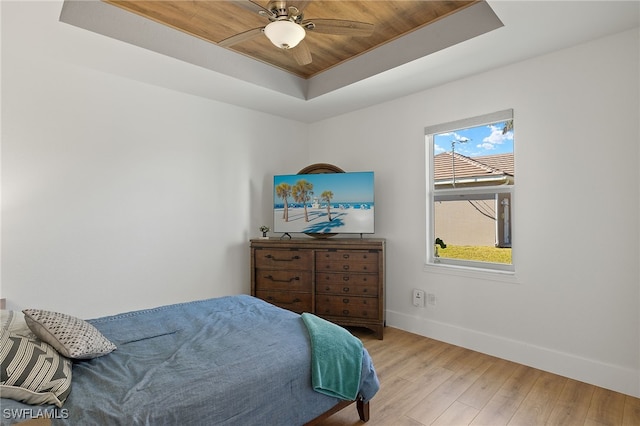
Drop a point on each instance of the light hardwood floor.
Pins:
(427, 382)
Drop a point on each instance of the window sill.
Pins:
(469, 272)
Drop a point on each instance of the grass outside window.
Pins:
(476, 253)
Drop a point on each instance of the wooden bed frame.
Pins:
(363, 411)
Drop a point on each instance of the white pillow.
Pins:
(71, 336)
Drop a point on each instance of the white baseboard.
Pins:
(609, 376)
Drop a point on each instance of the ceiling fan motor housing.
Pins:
(279, 8)
(280, 11)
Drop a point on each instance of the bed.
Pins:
(233, 360)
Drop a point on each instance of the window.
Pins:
(471, 181)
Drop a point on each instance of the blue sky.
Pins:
(481, 140)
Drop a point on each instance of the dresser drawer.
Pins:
(296, 302)
(348, 256)
(350, 307)
(347, 261)
(287, 280)
(355, 284)
(283, 259)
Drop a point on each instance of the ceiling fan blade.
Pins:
(235, 39)
(253, 7)
(339, 27)
(301, 53)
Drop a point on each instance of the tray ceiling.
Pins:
(404, 31)
(478, 38)
(217, 20)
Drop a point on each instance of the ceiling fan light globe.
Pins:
(284, 34)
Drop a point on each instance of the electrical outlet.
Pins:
(431, 299)
(418, 298)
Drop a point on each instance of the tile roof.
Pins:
(498, 165)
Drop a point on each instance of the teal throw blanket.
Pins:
(336, 358)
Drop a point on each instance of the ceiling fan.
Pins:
(287, 28)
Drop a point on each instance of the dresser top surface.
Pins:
(319, 242)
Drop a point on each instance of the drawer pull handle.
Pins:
(364, 290)
(345, 256)
(327, 288)
(270, 277)
(345, 289)
(275, 259)
(345, 301)
(345, 278)
(345, 311)
(296, 300)
(345, 267)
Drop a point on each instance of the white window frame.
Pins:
(461, 194)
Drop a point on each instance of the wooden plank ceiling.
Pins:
(217, 20)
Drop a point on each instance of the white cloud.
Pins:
(460, 138)
(495, 138)
(486, 146)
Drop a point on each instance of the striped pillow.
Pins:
(13, 321)
(32, 371)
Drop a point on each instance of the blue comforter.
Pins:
(229, 361)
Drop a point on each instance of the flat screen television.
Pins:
(324, 203)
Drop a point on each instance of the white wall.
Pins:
(119, 195)
(573, 306)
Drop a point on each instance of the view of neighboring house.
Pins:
(484, 219)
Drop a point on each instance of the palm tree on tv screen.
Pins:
(283, 191)
(302, 192)
(327, 196)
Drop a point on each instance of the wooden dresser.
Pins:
(339, 279)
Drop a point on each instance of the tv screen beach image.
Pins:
(324, 203)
